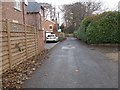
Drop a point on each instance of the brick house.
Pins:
(14, 10)
(35, 14)
(21, 11)
(50, 26)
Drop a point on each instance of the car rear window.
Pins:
(50, 35)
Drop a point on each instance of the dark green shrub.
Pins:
(104, 30)
(81, 33)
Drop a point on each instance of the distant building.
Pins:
(35, 14)
(50, 26)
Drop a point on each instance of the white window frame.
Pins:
(17, 4)
(26, 2)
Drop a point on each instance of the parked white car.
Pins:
(51, 37)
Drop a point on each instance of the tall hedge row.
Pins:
(102, 28)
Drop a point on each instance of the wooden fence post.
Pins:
(25, 28)
(9, 43)
(36, 41)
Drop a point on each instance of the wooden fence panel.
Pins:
(5, 48)
(19, 43)
(30, 41)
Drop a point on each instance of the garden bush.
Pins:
(81, 32)
(102, 28)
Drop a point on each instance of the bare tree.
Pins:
(91, 7)
(75, 13)
(50, 11)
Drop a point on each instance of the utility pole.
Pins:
(54, 13)
(58, 18)
(50, 13)
(58, 21)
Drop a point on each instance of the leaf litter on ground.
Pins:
(15, 77)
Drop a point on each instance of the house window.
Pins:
(50, 27)
(17, 4)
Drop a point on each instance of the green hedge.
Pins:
(101, 28)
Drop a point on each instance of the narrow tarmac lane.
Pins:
(72, 64)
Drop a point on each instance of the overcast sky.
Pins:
(111, 4)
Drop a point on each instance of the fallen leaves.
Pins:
(15, 77)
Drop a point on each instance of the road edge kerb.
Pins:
(112, 45)
(53, 47)
(105, 45)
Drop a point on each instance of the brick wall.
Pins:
(9, 12)
(34, 19)
(55, 29)
(41, 40)
(39, 21)
(47, 25)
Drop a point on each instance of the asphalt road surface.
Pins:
(72, 64)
